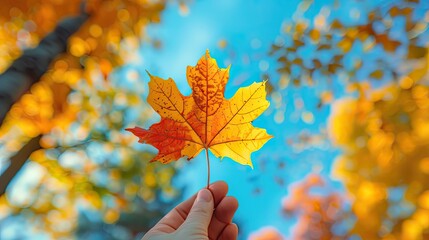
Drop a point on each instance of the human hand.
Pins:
(207, 215)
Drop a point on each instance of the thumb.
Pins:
(199, 217)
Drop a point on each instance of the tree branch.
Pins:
(17, 161)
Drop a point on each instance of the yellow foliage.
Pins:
(341, 126)
(37, 111)
(424, 200)
(64, 118)
(385, 135)
(111, 216)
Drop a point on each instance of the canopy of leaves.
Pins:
(375, 69)
(340, 47)
(85, 164)
(384, 135)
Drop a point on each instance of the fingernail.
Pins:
(204, 195)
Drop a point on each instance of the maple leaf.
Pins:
(205, 119)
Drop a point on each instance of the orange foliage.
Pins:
(266, 233)
(96, 46)
(317, 214)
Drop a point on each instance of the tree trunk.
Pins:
(22, 74)
(27, 69)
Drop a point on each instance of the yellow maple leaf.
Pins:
(205, 119)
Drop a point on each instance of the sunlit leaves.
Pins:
(97, 45)
(317, 213)
(381, 133)
(385, 137)
(84, 165)
(344, 40)
(24, 23)
(377, 74)
(74, 105)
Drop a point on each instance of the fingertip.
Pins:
(219, 190)
(219, 185)
(226, 209)
(219, 182)
(229, 204)
(235, 227)
(233, 202)
(230, 232)
(204, 195)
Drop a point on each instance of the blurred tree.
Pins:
(383, 133)
(319, 210)
(84, 167)
(385, 161)
(23, 73)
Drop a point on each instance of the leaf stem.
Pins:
(208, 168)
